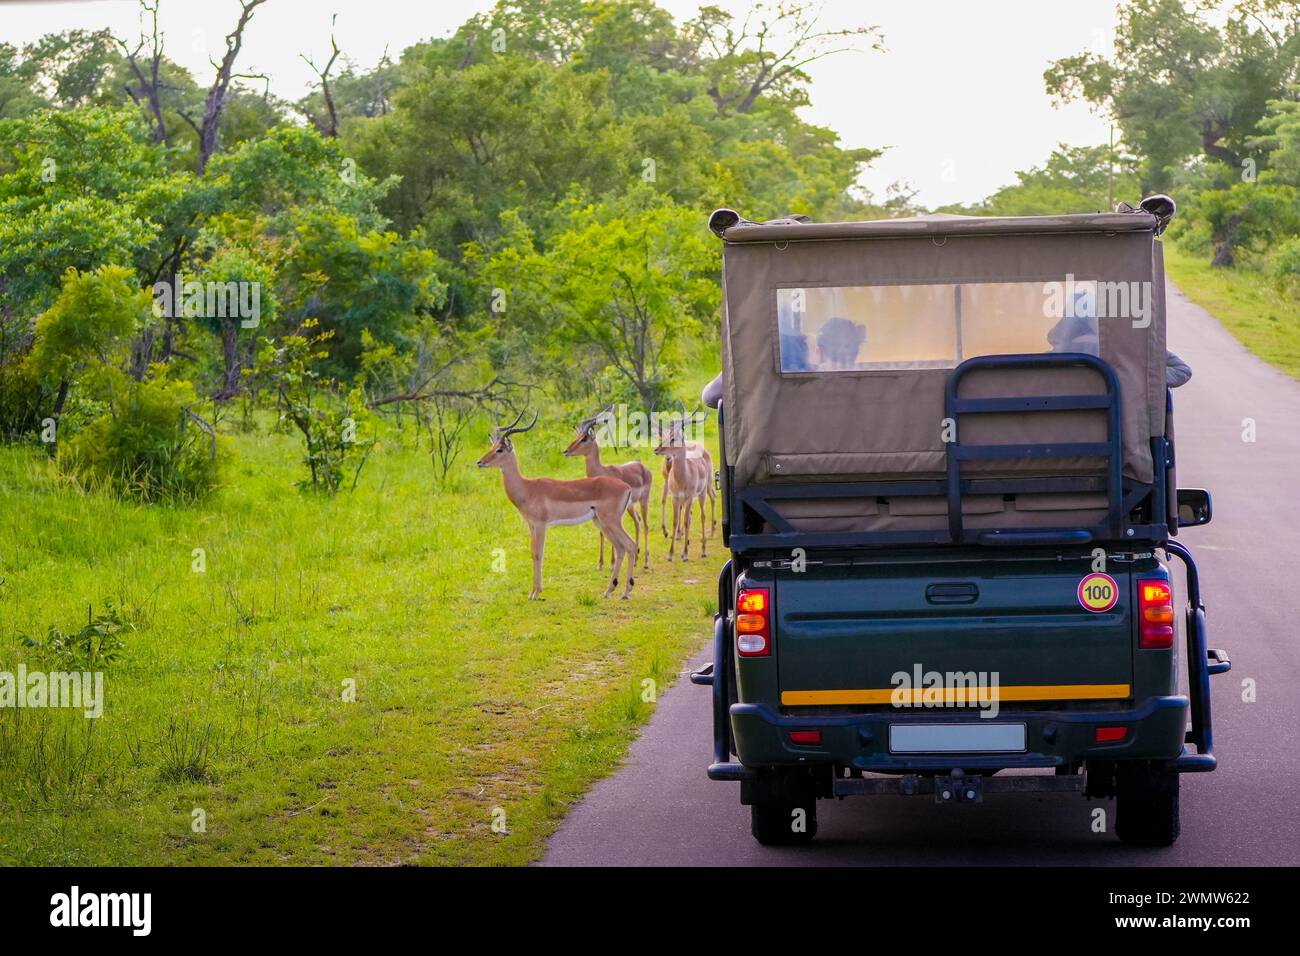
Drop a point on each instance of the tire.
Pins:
(1146, 805)
(774, 824)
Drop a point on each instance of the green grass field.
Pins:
(472, 704)
(1250, 305)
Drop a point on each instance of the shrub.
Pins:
(1247, 217)
(25, 400)
(97, 644)
(146, 444)
(1286, 266)
(327, 421)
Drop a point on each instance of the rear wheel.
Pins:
(784, 824)
(1146, 805)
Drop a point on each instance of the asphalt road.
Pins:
(659, 808)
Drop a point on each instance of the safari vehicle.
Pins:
(949, 494)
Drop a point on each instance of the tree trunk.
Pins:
(230, 357)
(1225, 246)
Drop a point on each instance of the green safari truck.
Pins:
(949, 493)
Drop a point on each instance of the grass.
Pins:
(1249, 304)
(347, 680)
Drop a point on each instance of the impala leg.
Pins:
(713, 507)
(631, 567)
(636, 528)
(601, 565)
(539, 549)
(672, 542)
(645, 526)
(618, 539)
(663, 510)
(686, 530)
(704, 541)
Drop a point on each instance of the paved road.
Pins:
(660, 809)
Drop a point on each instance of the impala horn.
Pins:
(512, 430)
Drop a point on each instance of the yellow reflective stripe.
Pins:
(954, 695)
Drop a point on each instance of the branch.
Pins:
(215, 104)
(332, 130)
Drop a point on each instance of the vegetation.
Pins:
(245, 346)
(353, 679)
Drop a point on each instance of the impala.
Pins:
(634, 474)
(693, 450)
(689, 481)
(547, 501)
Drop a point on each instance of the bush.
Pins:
(327, 421)
(96, 645)
(25, 400)
(146, 444)
(1248, 217)
(1286, 266)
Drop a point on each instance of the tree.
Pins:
(1246, 216)
(71, 185)
(214, 106)
(328, 123)
(766, 58)
(622, 283)
(354, 281)
(85, 328)
(1280, 138)
(1178, 86)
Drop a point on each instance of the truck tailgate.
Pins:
(843, 634)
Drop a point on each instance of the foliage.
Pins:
(353, 281)
(624, 280)
(1179, 84)
(93, 315)
(146, 443)
(327, 422)
(1248, 217)
(96, 645)
(71, 196)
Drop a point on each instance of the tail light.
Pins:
(1156, 615)
(753, 623)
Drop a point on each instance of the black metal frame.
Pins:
(753, 505)
(1202, 662)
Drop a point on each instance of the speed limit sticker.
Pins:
(1098, 592)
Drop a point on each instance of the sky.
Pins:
(957, 95)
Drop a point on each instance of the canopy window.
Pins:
(938, 325)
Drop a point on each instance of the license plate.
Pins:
(956, 738)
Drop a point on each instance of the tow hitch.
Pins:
(958, 788)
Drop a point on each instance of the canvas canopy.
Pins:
(839, 338)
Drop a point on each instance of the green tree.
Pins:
(1179, 86)
(87, 326)
(618, 288)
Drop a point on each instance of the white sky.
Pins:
(958, 94)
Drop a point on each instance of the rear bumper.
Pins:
(1054, 738)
